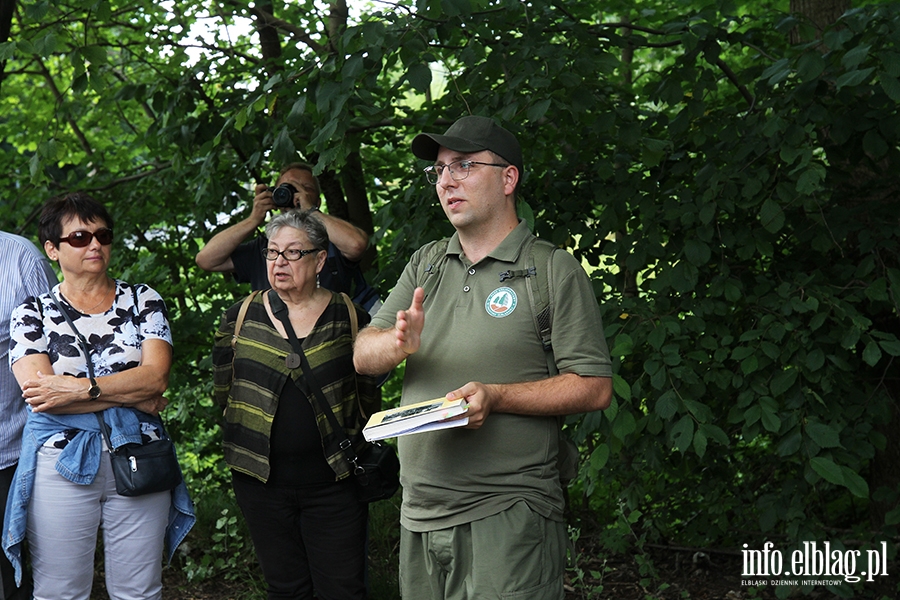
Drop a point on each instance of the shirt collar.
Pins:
(506, 251)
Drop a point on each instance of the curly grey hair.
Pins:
(304, 220)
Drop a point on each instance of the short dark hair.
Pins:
(303, 167)
(68, 206)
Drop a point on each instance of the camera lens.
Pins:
(283, 195)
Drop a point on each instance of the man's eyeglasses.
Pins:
(290, 254)
(459, 170)
(80, 238)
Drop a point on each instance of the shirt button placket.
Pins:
(466, 288)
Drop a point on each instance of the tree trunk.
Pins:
(817, 15)
(7, 8)
(269, 42)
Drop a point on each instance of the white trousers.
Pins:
(63, 520)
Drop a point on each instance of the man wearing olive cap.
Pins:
(482, 513)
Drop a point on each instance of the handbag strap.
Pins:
(279, 309)
(104, 428)
(105, 432)
(81, 339)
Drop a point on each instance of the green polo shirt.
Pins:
(478, 328)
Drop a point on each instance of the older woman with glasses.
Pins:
(64, 490)
(290, 476)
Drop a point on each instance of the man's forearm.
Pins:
(563, 394)
(216, 254)
(350, 240)
(376, 352)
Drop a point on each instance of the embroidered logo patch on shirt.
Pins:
(501, 302)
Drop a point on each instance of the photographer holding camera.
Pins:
(296, 187)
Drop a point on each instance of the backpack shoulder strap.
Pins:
(538, 281)
(433, 257)
(540, 288)
(242, 314)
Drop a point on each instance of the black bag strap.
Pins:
(279, 309)
(104, 428)
(81, 339)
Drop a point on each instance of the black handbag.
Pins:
(142, 468)
(377, 472)
(377, 469)
(138, 468)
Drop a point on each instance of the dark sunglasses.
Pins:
(80, 239)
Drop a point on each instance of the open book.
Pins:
(415, 418)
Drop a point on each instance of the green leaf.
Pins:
(95, 54)
(893, 517)
(656, 338)
(771, 216)
(749, 365)
(778, 72)
(790, 443)
(827, 470)
(892, 347)
(891, 87)
(752, 414)
(419, 76)
(872, 353)
(702, 413)
(240, 120)
(34, 165)
(810, 65)
(599, 457)
(782, 381)
(770, 419)
(856, 484)
(7, 50)
(621, 387)
(699, 443)
(815, 359)
(697, 252)
(538, 109)
(853, 78)
(666, 405)
(353, 67)
(682, 434)
(874, 144)
(811, 178)
(624, 425)
(715, 432)
(36, 11)
(823, 435)
(283, 149)
(855, 56)
(623, 345)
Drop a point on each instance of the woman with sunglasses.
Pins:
(64, 490)
(289, 474)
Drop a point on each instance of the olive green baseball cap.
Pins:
(471, 134)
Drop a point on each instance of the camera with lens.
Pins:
(283, 195)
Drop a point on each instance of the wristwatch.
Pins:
(94, 390)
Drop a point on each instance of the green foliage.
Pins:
(730, 194)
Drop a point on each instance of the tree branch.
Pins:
(267, 19)
(116, 182)
(85, 145)
(734, 79)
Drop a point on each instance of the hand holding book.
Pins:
(416, 418)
